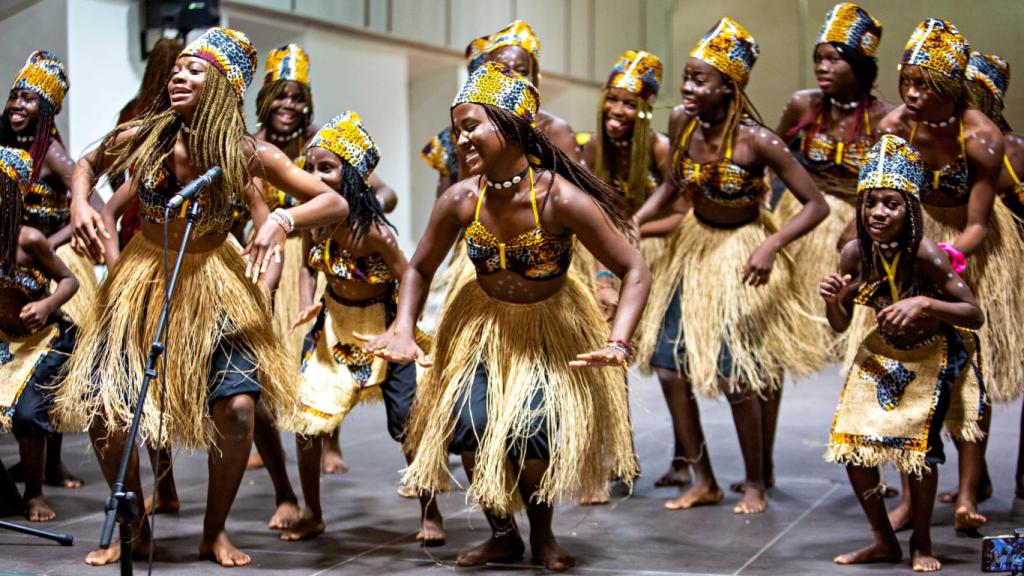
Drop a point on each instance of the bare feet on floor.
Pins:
(304, 528)
(984, 493)
(332, 462)
(169, 505)
(57, 476)
(407, 491)
(431, 532)
(967, 518)
(549, 554)
(222, 551)
(922, 561)
(899, 517)
(697, 495)
(505, 548)
(737, 487)
(678, 475)
(101, 557)
(753, 500)
(602, 495)
(255, 461)
(37, 509)
(877, 552)
(287, 514)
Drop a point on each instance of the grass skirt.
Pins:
(19, 358)
(78, 308)
(213, 303)
(526, 348)
(892, 396)
(286, 299)
(767, 328)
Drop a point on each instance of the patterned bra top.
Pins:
(833, 163)
(650, 185)
(47, 206)
(160, 184)
(535, 254)
(721, 181)
(326, 257)
(17, 288)
(952, 181)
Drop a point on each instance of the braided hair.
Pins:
(908, 275)
(46, 132)
(10, 221)
(639, 156)
(270, 91)
(364, 210)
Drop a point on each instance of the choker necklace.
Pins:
(844, 105)
(943, 124)
(708, 125)
(507, 183)
(286, 138)
(621, 143)
(25, 139)
(890, 246)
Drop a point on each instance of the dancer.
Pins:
(963, 153)
(35, 336)
(739, 338)
(222, 355)
(513, 388)
(363, 262)
(917, 368)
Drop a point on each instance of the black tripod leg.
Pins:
(59, 537)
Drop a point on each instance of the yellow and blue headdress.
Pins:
(893, 164)
(496, 85)
(851, 25)
(289, 62)
(16, 164)
(230, 52)
(517, 33)
(730, 49)
(476, 53)
(345, 136)
(637, 72)
(43, 73)
(990, 71)
(939, 46)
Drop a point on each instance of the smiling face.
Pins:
(834, 75)
(325, 165)
(477, 139)
(286, 110)
(704, 89)
(619, 111)
(920, 100)
(186, 83)
(515, 58)
(884, 213)
(22, 109)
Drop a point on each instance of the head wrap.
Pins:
(638, 73)
(345, 136)
(730, 49)
(851, 25)
(43, 73)
(476, 53)
(517, 33)
(16, 164)
(289, 62)
(894, 164)
(496, 85)
(939, 46)
(230, 52)
(990, 71)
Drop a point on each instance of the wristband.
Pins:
(956, 258)
(283, 219)
(603, 274)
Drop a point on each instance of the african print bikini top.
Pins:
(535, 254)
(339, 263)
(721, 181)
(952, 181)
(161, 184)
(47, 207)
(17, 288)
(650, 184)
(833, 163)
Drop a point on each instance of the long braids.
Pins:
(46, 132)
(159, 63)
(10, 221)
(541, 152)
(908, 275)
(639, 157)
(270, 91)
(364, 210)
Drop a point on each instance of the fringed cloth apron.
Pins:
(766, 329)
(24, 362)
(526, 349)
(336, 373)
(80, 304)
(895, 401)
(214, 306)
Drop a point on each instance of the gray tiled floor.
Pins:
(812, 515)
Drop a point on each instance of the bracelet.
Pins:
(603, 274)
(283, 219)
(626, 348)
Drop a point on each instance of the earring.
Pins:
(305, 110)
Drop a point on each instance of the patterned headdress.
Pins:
(894, 164)
(498, 86)
(476, 53)
(230, 52)
(345, 136)
(289, 62)
(730, 49)
(638, 73)
(938, 45)
(990, 71)
(43, 73)
(517, 33)
(16, 164)
(851, 25)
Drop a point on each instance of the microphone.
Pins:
(191, 190)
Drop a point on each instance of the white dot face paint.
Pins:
(949, 275)
(959, 284)
(263, 148)
(937, 261)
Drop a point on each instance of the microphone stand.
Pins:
(123, 506)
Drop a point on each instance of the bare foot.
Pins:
(697, 495)
(431, 532)
(552, 556)
(877, 552)
(101, 557)
(286, 516)
(168, 506)
(737, 487)
(753, 501)
(61, 477)
(222, 551)
(304, 528)
(967, 519)
(407, 491)
(37, 509)
(984, 493)
(506, 548)
(255, 461)
(899, 517)
(599, 497)
(678, 475)
(331, 462)
(921, 561)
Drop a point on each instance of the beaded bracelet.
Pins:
(603, 274)
(626, 348)
(283, 219)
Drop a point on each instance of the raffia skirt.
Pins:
(526, 349)
(895, 401)
(80, 304)
(30, 360)
(215, 306)
(767, 330)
